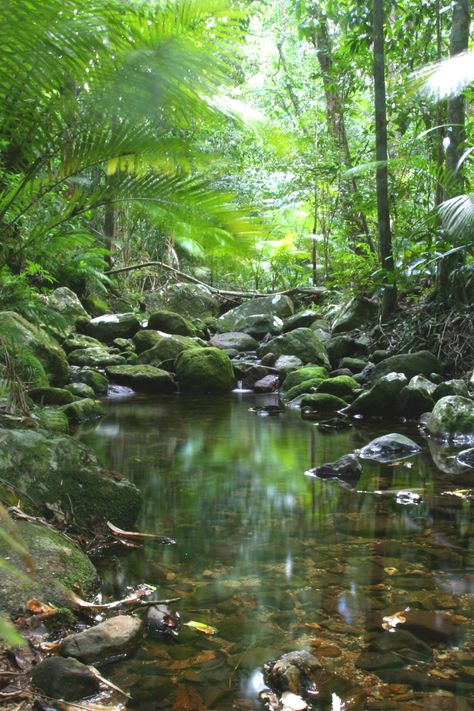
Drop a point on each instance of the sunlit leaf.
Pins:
(201, 627)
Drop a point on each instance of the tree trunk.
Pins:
(389, 302)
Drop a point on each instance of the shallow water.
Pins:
(280, 562)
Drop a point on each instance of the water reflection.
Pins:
(278, 562)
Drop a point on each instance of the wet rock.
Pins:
(116, 636)
(466, 457)
(266, 410)
(160, 619)
(302, 375)
(381, 398)
(240, 318)
(390, 448)
(166, 348)
(50, 396)
(67, 304)
(433, 626)
(268, 384)
(355, 365)
(97, 381)
(452, 418)
(302, 319)
(170, 322)
(372, 661)
(342, 386)
(269, 359)
(83, 410)
(400, 641)
(234, 340)
(450, 387)
(142, 378)
(445, 458)
(47, 363)
(110, 326)
(250, 373)
(286, 364)
(59, 566)
(94, 356)
(356, 313)
(339, 347)
(410, 364)
(334, 424)
(321, 404)
(81, 390)
(302, 343)
(204, 370)
(346, 469)
(57, 469)
(65, 679)
(78, 341)
(416, 397)
(297, 672)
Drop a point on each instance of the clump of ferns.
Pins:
(12, 375)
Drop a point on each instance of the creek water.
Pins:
(378, 584)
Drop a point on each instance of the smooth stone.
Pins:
(268, 384)
(116, 636)
(268, 307)
(346, 468)
(381, 399)
(450, 387)
(110, 326)
(81, 390)
(142, 378)
(389, 448)
(355, 365)
(286, 364)
(65, 679)
(302, 319)
(170, 322)
(236, 340)
(452, 418)
(95, 356)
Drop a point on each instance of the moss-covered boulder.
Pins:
(381, 399)
(269, 307)
(355, 365)
(80, 390)
(302, 342)
(66, 303)
(97, 381)
(410, 364)
(51, 396)
(51, 418)
(77, 341)
(170, 322)
(146, 339)
(450, 387)
(307, 386)
(342, 386)
(343, 346)
(59, 566)
(235, 340)
(21, 335)
(83, 410)
(301, 374)
(166, 349)
(57, 469)
(413, 400)
(190, 300)
(356, 313)
(323, 403)
(302, 319)
(452, 417)
(95, 356)
(110, 326)
(204, 370)
(142, 378)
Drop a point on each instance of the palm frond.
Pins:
(457, 215)
(447, 78)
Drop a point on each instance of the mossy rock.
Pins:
(301, 342)
(96, 306)
(452, 417)
(80, 390)
(204, 370)
(142, 378)
(323, 403)
(167, 348)
(124, 344)
(302, 319)
(83, 410)
(381, 399)
(342, 386)
(110, 326)
(410, 364)
(52, 418)
(51, 396)
(234, 341)
(59, 566)
(57, 469)
(79, 341)
(345, 346)
(450, 387)
(170, 322)
(414, 401)
(307, 386)
(94, 356)
(301, 374)
(21, 335)
(66, 303)
(97, 381)
(242, 318)
(356, 313)
(355, 365)
(131, 357)
(190, 300)
(146, 339)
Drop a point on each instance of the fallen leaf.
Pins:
(391, 621)
(136, 535)
(40, 608)
(187, 699)
(201, 627)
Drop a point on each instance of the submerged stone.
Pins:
(390, 448)
(347, 469)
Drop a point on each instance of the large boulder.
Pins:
(110, 326)
(356, 313)
(97, 381)
(381, 399)
(57, 469)
(204, 370)
(166, 349)
(410, 364)
(452, 418)
(115, 636)
(83, 411)
(67, 304)
(302, 319)
(58, 566)
(239, 319)
(234, 340)
(190, 300)
(142, 378)
(416, 397)
(22, 336)
(342, 346)
(300, 375)
(302, 342)
(170, 322)
(95, 356)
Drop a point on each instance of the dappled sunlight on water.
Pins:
(280, 562)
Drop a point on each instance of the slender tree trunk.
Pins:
(459, 42)
(389, 302)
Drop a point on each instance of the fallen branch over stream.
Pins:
(310, 291)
